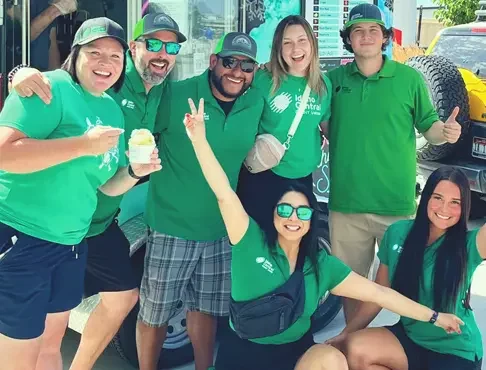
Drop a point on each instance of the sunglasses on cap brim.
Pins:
(285, 210)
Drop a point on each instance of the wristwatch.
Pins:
(132, 174)
(433, 319)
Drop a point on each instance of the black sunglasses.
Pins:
(246, 66)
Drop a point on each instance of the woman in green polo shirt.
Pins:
(53, 160)
(285, 253)
(431, 260)
(294, 64)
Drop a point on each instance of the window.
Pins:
(203, 22)
(466, 51)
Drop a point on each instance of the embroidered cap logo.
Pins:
(242, 41)
(162, 19)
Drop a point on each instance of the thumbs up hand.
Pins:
(452, 129)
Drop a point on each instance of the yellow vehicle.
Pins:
(454, 69)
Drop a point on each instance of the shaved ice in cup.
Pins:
(141, 146)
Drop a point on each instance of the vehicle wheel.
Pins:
(329, 305)
(177, 349)
(447, 90)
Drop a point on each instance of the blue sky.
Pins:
(425, 3)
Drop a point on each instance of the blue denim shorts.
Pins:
(37, 277)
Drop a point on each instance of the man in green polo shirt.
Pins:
(152, 55)
(188, 255)
(376, 106)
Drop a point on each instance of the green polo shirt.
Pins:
(256, 271)
(139, 109)
(56, 204)
(372, 138)
(180, 202)
(468, 344)
(304, 154)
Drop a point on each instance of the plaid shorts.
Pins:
(179, 271)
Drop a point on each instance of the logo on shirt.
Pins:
(397, 248)
(344, 89)
(128, 103)
(206, 116)
(111, 155)
(281, 102)
(266, 264)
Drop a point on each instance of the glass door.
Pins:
(14, 37)
(203, 22)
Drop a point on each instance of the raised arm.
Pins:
(234, 215)
(360, 288)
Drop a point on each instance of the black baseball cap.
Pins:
(153, 22)
(97, 28)
(237, 43)
(362, 13)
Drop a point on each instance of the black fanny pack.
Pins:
(274, 312)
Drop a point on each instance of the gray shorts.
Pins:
(177, 271)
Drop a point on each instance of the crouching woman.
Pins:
(279, 274)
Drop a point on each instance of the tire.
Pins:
(177, 349)
(447, 90)
(329, 305)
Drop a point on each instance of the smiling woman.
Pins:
(278, 274)
(444, 255)
(293, 81)
(53, 160)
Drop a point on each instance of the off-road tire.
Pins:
(447, 90)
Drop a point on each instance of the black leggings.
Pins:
(259, 192)
(420, 358)
(235, 353)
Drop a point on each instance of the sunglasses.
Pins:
(246, 66)
(156, 45)
(285, 210)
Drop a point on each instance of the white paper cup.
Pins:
(140, 153)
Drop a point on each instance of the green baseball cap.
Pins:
(237, 43)
(97, 28)
(365, 13)
(153, 22)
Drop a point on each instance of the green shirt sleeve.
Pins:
(326, 102)
(253, 241)
(424, 112)
(333, 76)
(474, 258)
(332, 271)
(32, 116)
(384, 247)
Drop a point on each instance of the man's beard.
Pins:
(217, 82)
(146, 73)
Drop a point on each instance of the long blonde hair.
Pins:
(279, 68)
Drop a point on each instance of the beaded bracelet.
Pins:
(12, 73)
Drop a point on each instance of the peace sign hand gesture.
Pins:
(194, 122)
